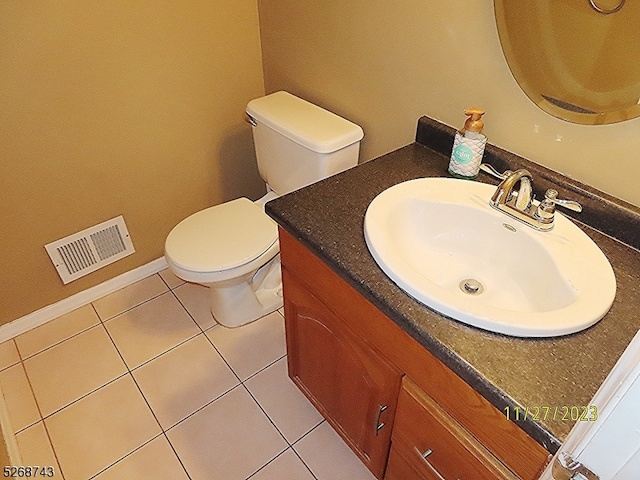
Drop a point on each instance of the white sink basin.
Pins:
(440, 241)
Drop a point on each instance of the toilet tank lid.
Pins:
(309, 125)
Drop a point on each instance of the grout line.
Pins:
(290, 444)
(199, 409)
(182, 342)
(61, 341)
(266, 415)
(297, 441)
(268, 463)
(44, 425)
(167, 283)
(49, 415)
(176, 454)
(53, 450)
(310, 430)
(129, 372)
(189, 313)
(263, 368)
(105, 320)
(126, 455)
(302, 459)
(207, 337)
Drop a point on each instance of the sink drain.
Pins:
(471, 286)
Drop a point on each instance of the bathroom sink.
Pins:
(441, 242)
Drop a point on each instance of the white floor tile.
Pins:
(329, 458)
(57, 330)
(156, 460)
(283, 402)
(8, 354)
(129, 296)
(184, 379)
(251, 347)
(229, 439)
(287, 466)
(73, 368)
(35, 449)
(100, 429)
(170, 279)
(196, 299)
(22, 407)
(150, 329)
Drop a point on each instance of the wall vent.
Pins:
(84, 252)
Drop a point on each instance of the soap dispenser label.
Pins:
(462, 154)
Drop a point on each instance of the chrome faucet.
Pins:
(521, 204)
(506, 194)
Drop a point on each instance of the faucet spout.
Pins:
(506, 193)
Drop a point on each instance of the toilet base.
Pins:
(238, 301)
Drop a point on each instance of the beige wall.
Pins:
(117, 107)
(384, 64)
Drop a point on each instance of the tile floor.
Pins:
(144, 384)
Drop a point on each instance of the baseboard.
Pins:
(39, 317)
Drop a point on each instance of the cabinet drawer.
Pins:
(427, 440)
(402, 466)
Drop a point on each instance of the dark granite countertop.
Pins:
(327, 217)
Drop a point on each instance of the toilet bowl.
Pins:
(232, 248)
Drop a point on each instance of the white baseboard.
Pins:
(39, 317)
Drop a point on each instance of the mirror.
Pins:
(578, 60)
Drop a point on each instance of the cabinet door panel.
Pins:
(353, 386)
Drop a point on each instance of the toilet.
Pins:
(232, 248)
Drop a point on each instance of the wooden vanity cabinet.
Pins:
(428, 443)
(353, 386)
(384, 393)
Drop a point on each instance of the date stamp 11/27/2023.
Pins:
(563, 413)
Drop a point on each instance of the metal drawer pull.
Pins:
(377, 426)
(424, 456)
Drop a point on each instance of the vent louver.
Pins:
(84, 252)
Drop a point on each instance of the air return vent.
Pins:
(84, 252)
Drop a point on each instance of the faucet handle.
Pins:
(552, 196)
(488, 168)
(547, 207)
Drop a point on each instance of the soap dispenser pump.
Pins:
(468, 146)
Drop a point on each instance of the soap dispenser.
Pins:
(468, 146)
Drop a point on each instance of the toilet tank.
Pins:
(298, 143)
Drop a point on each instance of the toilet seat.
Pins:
(220, 238)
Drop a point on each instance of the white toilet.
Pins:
(233, 248)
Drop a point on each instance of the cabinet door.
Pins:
(435, 446)
(349, 383)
